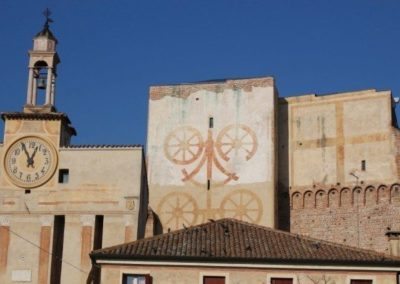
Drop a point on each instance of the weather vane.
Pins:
(47, 14)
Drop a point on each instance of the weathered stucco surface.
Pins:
(339, 166)
(211, 152)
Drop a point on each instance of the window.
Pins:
(97, 244)
(136, 279)
(363, 165)
(360, 281)
(63, 176)
(213, 280)
(58, 243)
(281, 281)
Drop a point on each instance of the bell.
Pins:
(41, 83)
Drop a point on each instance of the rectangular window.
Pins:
(363, 165)
(97, 244)
(58, 243)
(63, 176)
(281, 281)
(211, 122)
(213, 280)
(360, 281)
(136, 279)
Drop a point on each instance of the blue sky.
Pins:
(113, 50)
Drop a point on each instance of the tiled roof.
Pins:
(103, 146)
(39, 116)
(35, 116)
(46, 32)
(230, 240)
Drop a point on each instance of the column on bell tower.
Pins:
(43, 60)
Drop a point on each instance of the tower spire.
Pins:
(47, 14)
(43, 60)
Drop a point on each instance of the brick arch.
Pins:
(345, 197)
(383, 194)
(333, 198)
(370, 195)
(358, 196)
(321, 199)
(297, 200)
(395, 193)
(308, 199)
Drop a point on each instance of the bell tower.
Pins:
(43, 61)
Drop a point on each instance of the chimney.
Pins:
(394, 242)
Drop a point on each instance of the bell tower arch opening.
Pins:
(43, 61)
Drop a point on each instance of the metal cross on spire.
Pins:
(47, 14)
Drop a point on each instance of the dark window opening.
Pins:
(63, 176)
(363, 165)
(213, 280)
(27, 191)
(360, 281)
(136, 279)
(208, 184)
(97, 244)
(58, 242)
(281, 280)
(211, 122)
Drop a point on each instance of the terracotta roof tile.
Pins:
(230, 240)
(39, 116)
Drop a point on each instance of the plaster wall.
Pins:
(211, 152)
(104, 181)
(340, 167)
(183, 275)
(328, 137)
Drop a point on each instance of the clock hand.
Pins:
(31, 161)
(26, 153)
(34, 152)
(24, 149)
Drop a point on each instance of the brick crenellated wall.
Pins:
(356, 216)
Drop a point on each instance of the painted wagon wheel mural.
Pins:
(178, 208)
(238, 139)
(184, 145)
(243, 205)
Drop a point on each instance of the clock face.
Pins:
(30, 162)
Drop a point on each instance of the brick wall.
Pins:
(356, 216)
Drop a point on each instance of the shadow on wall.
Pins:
(283, 167)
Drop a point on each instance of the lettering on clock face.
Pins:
(30, 161)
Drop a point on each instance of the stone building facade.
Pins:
(324, 166)
(59, 201)
(338, 160)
